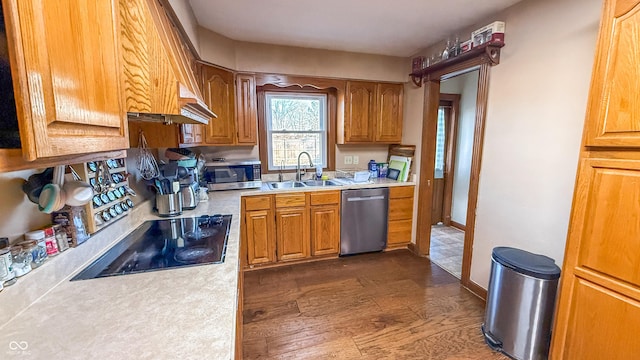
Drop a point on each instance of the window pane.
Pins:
(295, 114)
(440, 140)
(286, 147)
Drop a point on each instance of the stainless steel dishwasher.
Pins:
(363, 223)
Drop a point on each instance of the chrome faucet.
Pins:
(298, 176)
(280, 177)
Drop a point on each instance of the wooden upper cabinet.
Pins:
(359, 112)
(613, 114)
(219, 94)
(372, 113)
(389, 122)
(66, 76)
(246, 109)
(158, 69)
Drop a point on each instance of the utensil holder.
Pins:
(169, 204)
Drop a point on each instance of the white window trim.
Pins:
(324, 126)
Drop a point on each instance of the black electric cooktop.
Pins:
(164, 244)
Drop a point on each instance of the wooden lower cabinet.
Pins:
(400, 216)
(325, 223)
(290, 226)
(598, 312)
(259, 229)
(292, 233)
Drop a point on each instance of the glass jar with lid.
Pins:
(21, 260)
(39, 254)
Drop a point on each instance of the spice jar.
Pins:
(50, 241)
(31, 247)
(38, 236)
(7, 276)
(21, 260)
(61, 237)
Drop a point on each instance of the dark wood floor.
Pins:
(376, 306)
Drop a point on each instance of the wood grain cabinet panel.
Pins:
(613, 114)
(66, 76)
(260, 234)
(246, 109)
(372, 113)
(325, 222)
(389, 121)
(599, 300)
(400, 216)
(292, 233)
(603, 324)
(359, 112)
(219, 94)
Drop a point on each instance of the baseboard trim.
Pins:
(477, 290)
(457, 225)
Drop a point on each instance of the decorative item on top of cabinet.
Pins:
(67, 93)
(400, 216)
(112, 195)
(598, 310)
(372, 113)
(159, 82)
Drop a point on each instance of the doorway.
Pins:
(452, 170)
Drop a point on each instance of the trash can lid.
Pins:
(524, 262)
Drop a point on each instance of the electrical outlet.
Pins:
(356, 159)
(348, 160)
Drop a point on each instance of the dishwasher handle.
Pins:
(368, 198)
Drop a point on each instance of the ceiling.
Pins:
(388, 27)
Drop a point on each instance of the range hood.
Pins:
(160, 84)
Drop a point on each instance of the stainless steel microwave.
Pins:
(233, 174)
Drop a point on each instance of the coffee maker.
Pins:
(189, 187)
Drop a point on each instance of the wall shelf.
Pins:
(488, 52)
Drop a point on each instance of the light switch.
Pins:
(348, 160)
(356, 159)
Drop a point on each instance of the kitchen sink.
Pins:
(285, 185)
(321, 183)
(299, 184)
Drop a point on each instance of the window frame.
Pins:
(331, 112)
(323, 128)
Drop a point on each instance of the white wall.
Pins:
(467, 86)
(534, 125)
(536, 108)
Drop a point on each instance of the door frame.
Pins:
(450, 157)
(429, 126)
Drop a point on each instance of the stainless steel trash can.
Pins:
(520, 303)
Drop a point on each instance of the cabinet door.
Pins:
(218, 91)
(599, 304)
(259, 233)
(325, 230)
(389, 123)
(359, 112)
(191, 134)
(246, 109)
(66, 76)
(292, 233)
(613, 114)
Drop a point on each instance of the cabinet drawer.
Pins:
(396, 192)
(290, 200)
(399, 233)
(325, 198)
(257, 203)
(401, 209)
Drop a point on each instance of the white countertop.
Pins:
(375, 183)
(183, 313)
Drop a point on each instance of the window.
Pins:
(295, 122)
